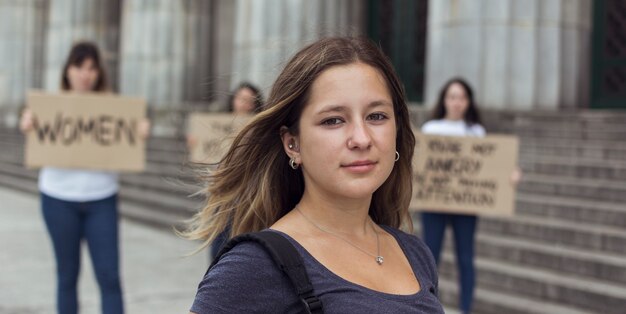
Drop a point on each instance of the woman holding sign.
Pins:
(456, 114)
(82, 204)
(246, 99)
(326, 167)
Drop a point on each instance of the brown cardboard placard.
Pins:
(464, 175)
(85, 131)
(214, 133)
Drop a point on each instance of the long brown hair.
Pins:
(80, 52)
(253, 186)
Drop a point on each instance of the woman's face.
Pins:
(82, 77)
(456, 102)
(347, 141)
(244, 101)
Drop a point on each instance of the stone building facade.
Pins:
(518, 54)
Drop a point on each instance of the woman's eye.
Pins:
(332, 121)
(377, 116)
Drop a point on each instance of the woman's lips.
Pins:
(360, 166)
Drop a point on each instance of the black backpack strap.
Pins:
(287, 258)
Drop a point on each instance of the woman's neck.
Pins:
(348, 216)
(453, 119)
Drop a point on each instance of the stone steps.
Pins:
(18, 171)
(580, 134)
(169, 169)
(543, 285)
(581, 168)
(154, 172)
(572, 143)
(574, 187)
(579, 236)
(573, 150)
(555, 119)
(570, 262)
(23, 184)
(543, 253)
(488, 301)
(179, 204)
(146, 206)
(139, 212)
(160, 183)
(606, 123)
(159, 197)
(571, 209)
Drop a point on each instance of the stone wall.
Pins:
(522, 54)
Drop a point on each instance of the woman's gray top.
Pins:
(246, 280)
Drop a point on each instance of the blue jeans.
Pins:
(95, 221)
(464, 227)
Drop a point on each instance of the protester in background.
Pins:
(456, 114)
(326, 165)
(245, 99)
(82, 204)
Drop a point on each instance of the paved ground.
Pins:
(157, 278)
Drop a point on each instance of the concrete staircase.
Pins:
(563, 252)
(160, 196)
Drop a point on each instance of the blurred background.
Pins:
(552, 72)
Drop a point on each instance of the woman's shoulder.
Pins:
(430, 125)
(246, 270)
(477, 129)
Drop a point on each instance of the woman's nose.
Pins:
(360, 137)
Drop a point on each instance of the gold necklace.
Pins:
(378, 258)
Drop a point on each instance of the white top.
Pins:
(452, 128)
(77, 185)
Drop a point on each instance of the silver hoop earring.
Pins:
(293, 164)
(397, 156)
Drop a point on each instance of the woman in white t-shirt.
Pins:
(455, 115)
(82, 204)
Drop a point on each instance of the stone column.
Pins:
(269, 32)
(165, 50)
(75, 20)
(517, 54)
(22, 25)
(222, 52)
(165, 56)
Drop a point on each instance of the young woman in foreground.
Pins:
(327, 165)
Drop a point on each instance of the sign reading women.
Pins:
(85, 131)
(465, 175)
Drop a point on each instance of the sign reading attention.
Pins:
(464, 175)
(85, 131)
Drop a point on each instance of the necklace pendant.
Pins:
(379, 260)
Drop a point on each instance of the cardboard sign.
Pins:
(85, 131)
(465, 175)
(213, 133)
